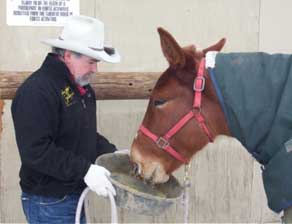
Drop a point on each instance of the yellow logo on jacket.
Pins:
(67, 94)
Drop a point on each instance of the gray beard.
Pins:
(84, 80)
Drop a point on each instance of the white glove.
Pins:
(97, 180)
(123, 151)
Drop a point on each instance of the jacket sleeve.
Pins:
(36, 119)
(103, 145)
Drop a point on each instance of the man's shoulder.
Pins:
(51, 72)
(37, 85)
(35, 81)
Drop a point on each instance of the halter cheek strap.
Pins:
(199, 86)
(163, 141)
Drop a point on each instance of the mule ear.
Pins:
(171, 49)
(216, 47)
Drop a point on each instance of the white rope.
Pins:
(114, 216)
(186, 197)
(80, 204)
(114, 213)
(186, 194)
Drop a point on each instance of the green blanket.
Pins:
(257, 101)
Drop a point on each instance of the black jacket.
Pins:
(55, 131)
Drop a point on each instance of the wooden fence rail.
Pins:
(107, 85)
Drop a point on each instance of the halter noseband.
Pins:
(163, 141)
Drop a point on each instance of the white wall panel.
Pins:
(226, 182)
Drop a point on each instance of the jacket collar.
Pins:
(58, 69)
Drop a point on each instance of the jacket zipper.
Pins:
(86, 119)
(83, 103)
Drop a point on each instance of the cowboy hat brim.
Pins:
(98, 54)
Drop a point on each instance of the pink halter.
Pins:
(163, 141)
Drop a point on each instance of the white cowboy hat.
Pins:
(85, 35)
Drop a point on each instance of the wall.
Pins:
(226, 181)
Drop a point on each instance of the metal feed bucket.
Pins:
(135, 195)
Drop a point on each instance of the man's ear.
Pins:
(68, 60)
(67, 55)
(171, 49)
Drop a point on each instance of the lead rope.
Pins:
(114, 215)
(186, 195)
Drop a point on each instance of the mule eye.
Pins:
(159, 102)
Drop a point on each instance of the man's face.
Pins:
(81, 67)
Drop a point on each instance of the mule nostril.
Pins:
(134, 169)
(139, 169)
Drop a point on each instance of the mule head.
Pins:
(170, 100)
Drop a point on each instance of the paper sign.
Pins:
(40, 12)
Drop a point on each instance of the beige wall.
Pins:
(275, 22)
(226, 182)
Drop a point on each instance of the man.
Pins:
(54, 115)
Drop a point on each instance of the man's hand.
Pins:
(97, 180)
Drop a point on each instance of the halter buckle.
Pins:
(201, 86)
(162, 143)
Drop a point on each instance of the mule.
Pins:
(245, 95)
